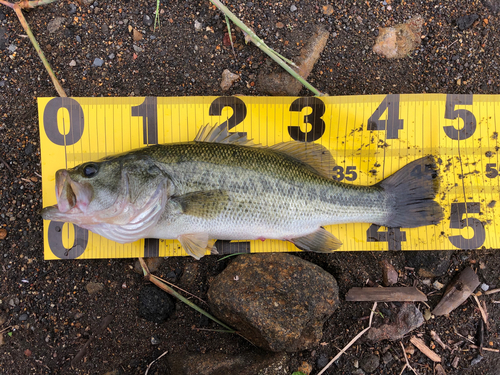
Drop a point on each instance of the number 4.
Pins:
(393, 123)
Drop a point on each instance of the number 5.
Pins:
(467, 116)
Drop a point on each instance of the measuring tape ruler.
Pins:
(370, 138)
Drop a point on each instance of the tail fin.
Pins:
(413, 189)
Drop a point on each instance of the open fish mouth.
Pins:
(72, 197)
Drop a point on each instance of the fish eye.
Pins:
(90, 170)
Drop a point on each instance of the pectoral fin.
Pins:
(195, 244)
(320, 241)
(204, 204)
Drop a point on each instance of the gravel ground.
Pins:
(46, 312)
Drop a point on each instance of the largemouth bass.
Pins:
(222, 186)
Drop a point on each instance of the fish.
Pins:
(223, 186)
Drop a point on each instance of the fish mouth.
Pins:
(72, 198)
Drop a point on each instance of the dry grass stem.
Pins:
(484, 313)
(428, 352)
(352, 341)
(407, 362)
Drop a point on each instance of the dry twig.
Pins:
(419, 343)
(351, 342)
(484, 313)
(151, 364)
(407, 362)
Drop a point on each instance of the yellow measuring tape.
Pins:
(370, 137)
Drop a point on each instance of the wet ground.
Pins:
(46, 311)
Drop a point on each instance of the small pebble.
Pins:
(23, 317)
(485, 287)
(78, 39)
(137, 49)
(12, 48)
(437, 285)
(198, 26)
(147, 20)
(111, 56)
(72, 8)
(322, 361)
(72, 63)
(293, 8)
(155, 340)
(3, 233)
(98, 62)
(476, 360)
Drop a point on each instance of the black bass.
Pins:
(222, 186)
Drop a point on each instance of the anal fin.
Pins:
(320, 241)
(196, 244)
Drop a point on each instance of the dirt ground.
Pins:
(46, 312)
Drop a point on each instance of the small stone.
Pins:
(198, 26)
(136, 35)
(327, 10)
(23, 317)
(155, 340)
(466, 21)
(27, 353)
(485, 287)
(280, 25)
(72, 63)
(2, 16)
(55, 24)
(369, 363)
(137, 49)
(12, 48)
(389, 274)
(408, 318)
(427, 314)
(228, 79)
(293, 8)
(147, 20)
(387, 358)
(78, 39)
(155, 305)
(111, 56)
(437, 285)
(72, 8)
(98, 62)
(398, 41)
(94, 287)
(3, 233)
(476, 360)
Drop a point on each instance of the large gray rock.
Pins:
(277, 301)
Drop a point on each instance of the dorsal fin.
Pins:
(312, 154)
(220, 134)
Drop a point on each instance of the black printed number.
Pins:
(468, 118)
(393, 236)
(238, 106)
(349, 174)
(314, 119)
(491, 171)
(75, 126)
(458, 210)
(393, 123)
(148, 110)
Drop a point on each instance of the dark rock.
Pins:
(147, 20)
(23, 317)
(467, 21)
(493, 5)
(28, 150)
(155, 340)
(322, 360)
(72, 9)
(155, 305)
(369, 362)
(407, 319)
(261, 294)
(2, 16)
(387, 358)
(428, 264)
(248, 363)
(3, 38)
(476, 360)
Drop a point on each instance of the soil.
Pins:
(46, 313)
